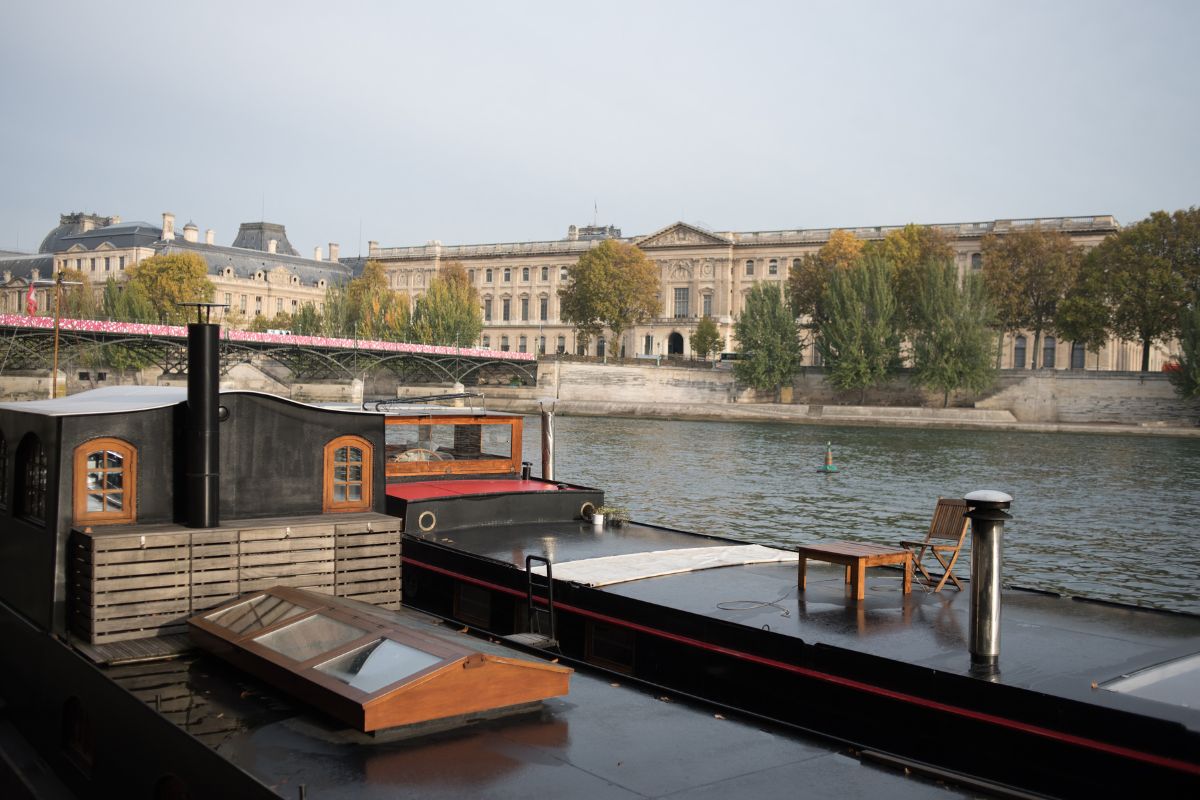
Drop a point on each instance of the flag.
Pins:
(31, 302)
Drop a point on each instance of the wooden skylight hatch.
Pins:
(364, 669)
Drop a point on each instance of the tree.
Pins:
(808, 281)
(1187, 378)
(172, 278)
(128, 303)
(367, 308)
(1083, 315)
(612, 286)
(909, 251)
(768, 338)
(706, 340)
(1027, 274)
(77, 302)
(952, 340)
(307, 321)
(860, 336)
(1149, 271)
(448, 313)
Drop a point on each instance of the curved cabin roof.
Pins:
(106, 400)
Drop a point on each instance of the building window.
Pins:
(295, 306)
(560, 346)
(243, 304)
(543, 308)
(525, 274)
(79, 264)
(562, 273)
(278, 305)
(121, 263)
(105, 482)
(521, 345)
(507, 275)
(541, 345)
(976, 261)
(487, 310)
(545, 273)
(773, 266)
(707, 302)
(1048, 352)
(681, 302)
(524, 309)
(487, 342)
(648, 345)
(107, 264)
(600, 348)
(487, 275)
(348, 462)
(506, 309)
(1078, 354)
(1019, 353)
(504, 344)
(471, 275)
(93, 263)
(229, 299)
(749, 266)
(257, 306)
(795, 263)
(31, 471)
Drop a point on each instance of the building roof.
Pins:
(246, 263)
(70, 224)
(125, 234)
(256, 235)
(23, 266)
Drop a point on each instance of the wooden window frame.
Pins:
(483, 466)
(128, 512)
(331, 506)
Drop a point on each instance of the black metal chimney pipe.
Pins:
(203, 465)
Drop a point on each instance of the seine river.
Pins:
(1109, 517)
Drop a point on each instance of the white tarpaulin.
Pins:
(635, 566)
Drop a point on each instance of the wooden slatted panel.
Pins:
(144, 585)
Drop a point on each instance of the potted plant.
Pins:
(614, 515)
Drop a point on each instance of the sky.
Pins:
(474, 122)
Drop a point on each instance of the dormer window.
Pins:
(105, 482)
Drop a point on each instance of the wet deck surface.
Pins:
(601, 741)
(1050, 643)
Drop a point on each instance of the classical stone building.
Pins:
(259, 274)
(703, 273)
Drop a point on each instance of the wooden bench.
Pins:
(856, 557)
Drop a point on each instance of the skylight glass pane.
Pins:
(310, 637)
(379, 664)
(255, 614)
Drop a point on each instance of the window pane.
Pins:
(310, 637)
(339, 492)
(255, 614)
(114, 460)
(112, 480)
(380, 663)
(341, 455)
(354, 491)
(339, 474)
(115, 502)
(95, 480)
(355, 474)
(95, 502)
(354, 455)
(95, 460)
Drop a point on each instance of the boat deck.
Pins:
(1049, 643)
(603, 740)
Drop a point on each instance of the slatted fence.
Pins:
(131, 583)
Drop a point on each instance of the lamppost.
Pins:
(57, 283)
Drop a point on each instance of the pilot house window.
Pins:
(105, 482)
(348, 474)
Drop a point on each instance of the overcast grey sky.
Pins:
(472, 122)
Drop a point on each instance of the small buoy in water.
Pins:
(829, 466)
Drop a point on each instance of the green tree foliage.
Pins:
(307, 321)
(768, 338)
(1027, 274)
(78, 301)
(860, 335)
(706, 340)
(170, 279)
(1084, 316)
(448, 313)
(909, 251)
(612, 286)
(367, 309)
(807, 282)
(128, 303)
(952, 341)
(261, 323)
(1187, 378)
(1148, 272)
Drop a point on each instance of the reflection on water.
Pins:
(1099, 516)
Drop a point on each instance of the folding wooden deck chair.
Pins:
(947, 532)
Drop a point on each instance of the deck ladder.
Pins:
(543, 632)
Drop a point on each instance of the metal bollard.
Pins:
(547, 406)
(987, 517)
(526, 470)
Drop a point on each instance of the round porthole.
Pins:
(427, 521)
(587, 510)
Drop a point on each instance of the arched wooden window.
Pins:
(105, 482)
(348, 462)
(32, 476)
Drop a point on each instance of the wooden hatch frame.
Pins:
(480, 466)
(459, 681)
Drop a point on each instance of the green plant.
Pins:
(616, 515)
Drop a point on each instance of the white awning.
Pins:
(635, 566)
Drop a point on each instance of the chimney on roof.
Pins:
(333, 252)
(191, 233)
(89, 223)
(317, 253)
(209, 236)
(271, 245)
(372, 246)
(168, 228)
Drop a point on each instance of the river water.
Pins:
(1108, 517)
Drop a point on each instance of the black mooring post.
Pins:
(203, 464)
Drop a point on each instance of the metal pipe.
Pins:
(987, 517)
(547, 406)
(203, 464)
